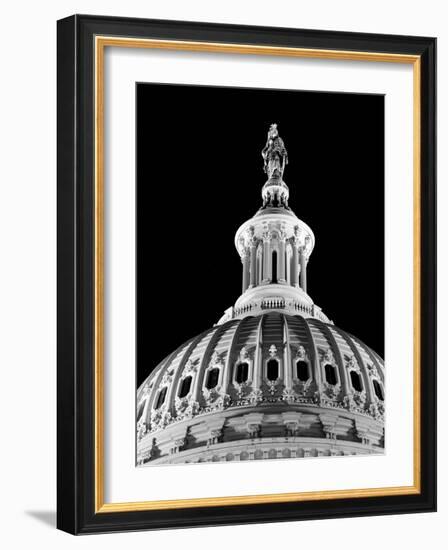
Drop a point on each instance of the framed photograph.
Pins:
(246, 274)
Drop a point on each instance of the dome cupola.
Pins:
(275, 247)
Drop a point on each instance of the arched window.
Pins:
(302, 371)
(184, 389)
(330, 374)
(356, 380)
(161, 397)
(272, 370)
(212, 378)
(242, 373)
(274, 267)
(378, 390)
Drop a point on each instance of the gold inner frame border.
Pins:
(101, 42)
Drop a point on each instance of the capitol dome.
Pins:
(274, 378)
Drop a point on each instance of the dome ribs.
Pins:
(178, 371)
(310, 347)
(157, 372)
(372, 356)
(257, 371)
(287, 362)
(198, 354)
(315, 338)
(232, 354)
(360, 359)
(210, 349)
(272, 339)
(337, 352)
(379, 360)
(343, 345)
(156, 376)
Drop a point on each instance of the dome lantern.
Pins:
(275, 247)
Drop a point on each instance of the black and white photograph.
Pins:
(222, 237)
(260, 291)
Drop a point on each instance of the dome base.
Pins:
(305, 426)
(268, 449)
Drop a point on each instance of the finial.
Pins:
(274, 155)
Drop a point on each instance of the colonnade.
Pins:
(282, 262)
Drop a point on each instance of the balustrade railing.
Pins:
(276, 303)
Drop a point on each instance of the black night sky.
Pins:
(199, 177)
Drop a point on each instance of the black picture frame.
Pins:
(77, 512)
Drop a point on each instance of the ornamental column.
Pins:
(245, 259)
(267, 260)
(281, 262)
(253, 264)
(302, 270)
(294, 264)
